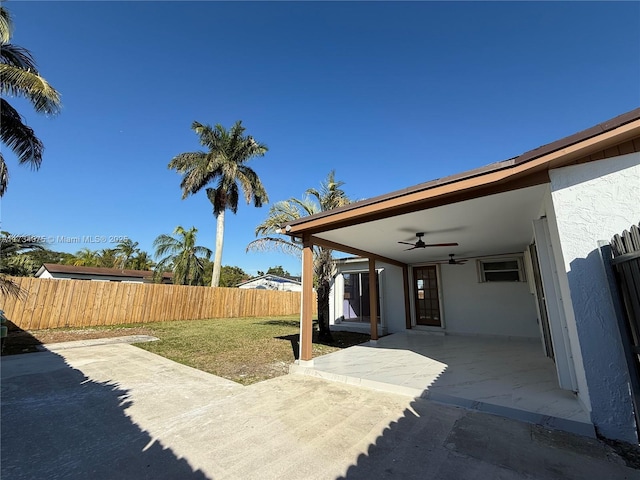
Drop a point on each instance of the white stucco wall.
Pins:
(575, 351)
(594, 201)
(393, 285)
(469, 307)
(490, 308)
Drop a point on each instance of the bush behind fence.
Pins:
(81, 303)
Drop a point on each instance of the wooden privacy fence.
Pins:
(626, 259)
(81, 303)
(626, 262)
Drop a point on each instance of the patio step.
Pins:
(578, 427)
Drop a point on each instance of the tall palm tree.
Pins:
(329, 196)
(180, 253)
(19, 77)
(224, 167)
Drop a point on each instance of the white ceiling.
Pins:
(490, 225)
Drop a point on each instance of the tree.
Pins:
(85, 258)
(278, 271)
(125, 252)
(224, 167)
(232, 276)
(180, 254)
(329, 196)
(19, 77)
(141, 261)
(27, 263)
(107, 258)
(10, 247)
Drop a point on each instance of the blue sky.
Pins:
(389, 94)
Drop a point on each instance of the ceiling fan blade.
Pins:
(412, 248)
(441, 245)
(407, 243)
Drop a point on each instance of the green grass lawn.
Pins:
(245, 350)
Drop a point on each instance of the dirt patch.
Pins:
(20, 341)
(628, 452)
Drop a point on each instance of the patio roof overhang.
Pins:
(487, 211)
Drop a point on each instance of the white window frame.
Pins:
(510, 258)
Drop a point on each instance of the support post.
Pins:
(373, 299)
(407, 302)
(306, 322)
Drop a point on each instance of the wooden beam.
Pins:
(355, 251)
(407, 302)
(373, 299)
(306, 327)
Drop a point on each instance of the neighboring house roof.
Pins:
(273, 278)
(530, 168)
(98, 271)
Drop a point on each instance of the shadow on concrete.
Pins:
(19, 340)
(439, 443)
(57, 423)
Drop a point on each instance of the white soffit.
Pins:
(491, 225)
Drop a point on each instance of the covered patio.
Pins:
(504, 376)
(491, 283)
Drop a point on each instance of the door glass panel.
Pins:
(356, 297)
(427, 301)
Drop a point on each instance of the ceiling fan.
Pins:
(451, 260)
(421, 244)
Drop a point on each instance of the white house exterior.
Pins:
(528, 231)
(97, 274)
(273, 282)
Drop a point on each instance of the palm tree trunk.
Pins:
(217, 258)
(324, 331)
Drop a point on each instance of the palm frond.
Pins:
(22, 83)
(280, 213)
(6, 26)
(307, 205)
(4, 175)
(9, 288)
(18, 57)
(13, 244)
(19, 137)
(283, 245)
(252, 187)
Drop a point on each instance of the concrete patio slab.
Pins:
(116, 411)
(503, 376)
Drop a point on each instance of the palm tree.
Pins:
(224, 167)
(107, 258)
(85, 258)
(125, 252)
(329, 196)
(142, 261)
(10, 247)
(19, 77)
(180, 252)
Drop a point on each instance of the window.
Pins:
(356, 307)
(500, 270)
